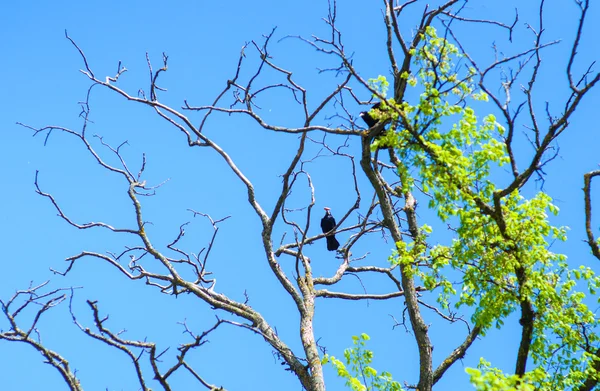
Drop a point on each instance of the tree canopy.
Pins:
(436, 136)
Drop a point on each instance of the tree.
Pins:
(467, 138)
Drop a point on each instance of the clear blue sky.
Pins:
(41, 85)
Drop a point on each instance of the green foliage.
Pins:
(359, 375)
(380, 84)
(451, 152)
(486, 378)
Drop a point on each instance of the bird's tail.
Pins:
(332, 243)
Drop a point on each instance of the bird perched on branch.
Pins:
(370, 121)
(327, 224)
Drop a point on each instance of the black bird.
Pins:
(370, 121)
(327, 224)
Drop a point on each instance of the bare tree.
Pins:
(401, 161)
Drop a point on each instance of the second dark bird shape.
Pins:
(370, 121)
(327, 224)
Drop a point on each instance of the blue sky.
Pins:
(42, 85)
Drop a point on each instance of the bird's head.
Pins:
(327, 209)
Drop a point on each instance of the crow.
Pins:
(370, 121)
(327, 224)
